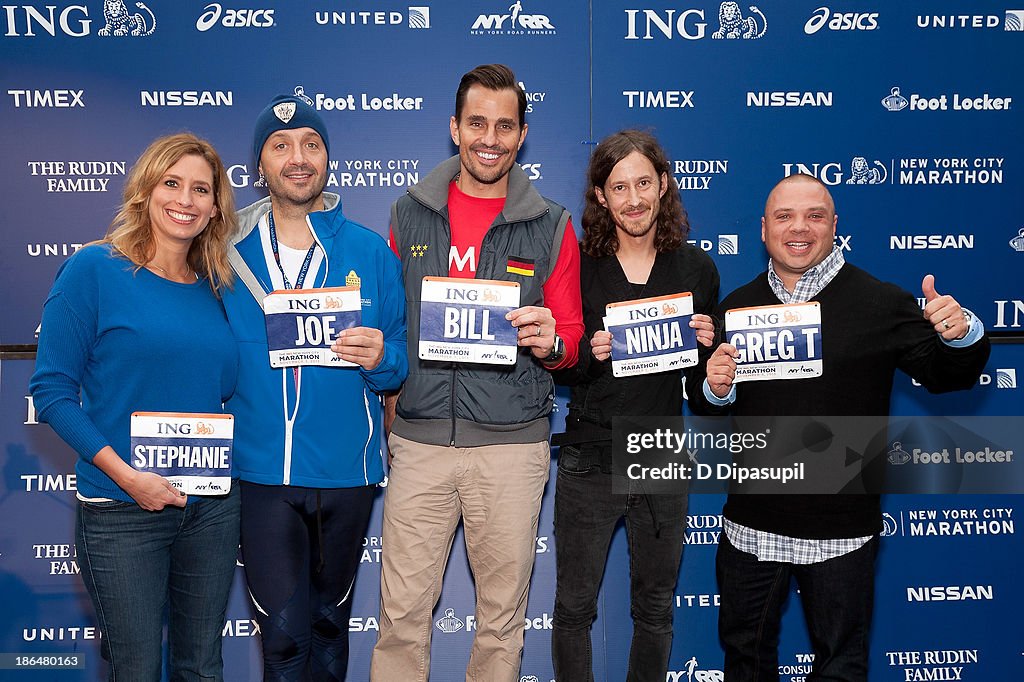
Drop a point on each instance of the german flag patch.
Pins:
(521, 266)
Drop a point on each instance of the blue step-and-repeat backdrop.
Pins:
(909, 111)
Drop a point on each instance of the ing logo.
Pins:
(119, 22)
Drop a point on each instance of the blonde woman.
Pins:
(134, 323)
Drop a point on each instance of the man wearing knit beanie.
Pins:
(307, 443)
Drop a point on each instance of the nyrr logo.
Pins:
(515, 23)
(692, 673)
(840, 21)
(862, 172)
(214, 13)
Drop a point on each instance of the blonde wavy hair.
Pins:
(131, 232)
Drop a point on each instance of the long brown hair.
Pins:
(599, 235)
(131, 232)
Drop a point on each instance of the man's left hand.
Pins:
(944, 313)
(362, 345)
(536, 329)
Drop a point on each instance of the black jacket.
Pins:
(597, 395)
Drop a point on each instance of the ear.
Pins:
(522, 135)
(762, 228)
(453, 128)
(214, 213)
(600, 196)
(664, 184)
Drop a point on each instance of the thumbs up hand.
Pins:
(943, 312)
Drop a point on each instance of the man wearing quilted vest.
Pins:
(470, 440)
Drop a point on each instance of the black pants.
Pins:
(301, 548)
(586, 514)
(837, 597)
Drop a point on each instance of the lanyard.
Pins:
(277, 257)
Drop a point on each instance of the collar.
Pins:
(522, 203)
(811, 282)
(250, 216)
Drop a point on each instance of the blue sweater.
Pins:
(323, 431)
(124, 341)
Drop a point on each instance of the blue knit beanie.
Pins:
(287, 112)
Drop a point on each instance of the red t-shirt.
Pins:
(470, 218)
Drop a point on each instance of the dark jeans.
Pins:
(301, 549)
(586, 514)
(837, 597)
(134, 562)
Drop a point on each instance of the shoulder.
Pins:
(691, 257)
(93, 261)
(754, 292)
(357, 234)
(249, 216)
(855, 281)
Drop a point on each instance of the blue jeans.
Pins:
(837, 597)
(135, 562)
(586, 514)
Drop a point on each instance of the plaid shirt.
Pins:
(811, 282)
(769, 546)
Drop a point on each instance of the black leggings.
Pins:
(301, 549)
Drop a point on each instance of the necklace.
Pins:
(169, 276)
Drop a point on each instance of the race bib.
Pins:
(303, 323)
(463, 320)
(651, 334)
(191, 450)
(776, 341)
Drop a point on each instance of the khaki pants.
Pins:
(496, 490)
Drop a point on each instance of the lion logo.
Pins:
(863, 174)
(120, 23)
(733, 25)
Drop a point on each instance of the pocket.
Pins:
(105, 505)
(574, 461)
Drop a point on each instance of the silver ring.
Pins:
(945, 325)
(538, 331)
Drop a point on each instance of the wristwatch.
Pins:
(557, 352)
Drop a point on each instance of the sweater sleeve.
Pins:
(394, 366)
(938, 366)
(66, 340)
(562, 297)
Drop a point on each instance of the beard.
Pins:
(283, 190)
(637, 227)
